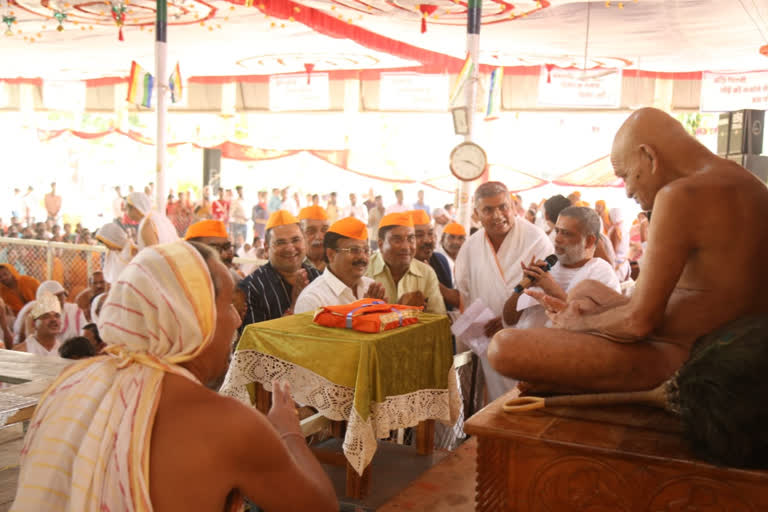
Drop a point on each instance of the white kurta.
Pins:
(164, 229)
(34, 347)
(329, 290)
(492, 276)
(116, 261)
(596, 269)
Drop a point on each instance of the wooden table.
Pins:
(31, 376)
(620, 459)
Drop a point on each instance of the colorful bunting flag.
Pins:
(174, 84)
(140, 85)
(464, 74)
(494, 95)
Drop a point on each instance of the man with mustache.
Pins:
(425, 252)
(576, 234)
(405, 279)
(704, 267)
(272, 289)
(213, 233)
(314, 224)
(488, 265)
(344, 279)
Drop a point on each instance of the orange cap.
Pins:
(420, 217)
(397, 219)
(313, 213)
(206, 228)
(281, 218)
(350, 227)
(455, 228)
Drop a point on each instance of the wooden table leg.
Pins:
(425, 437)
(263, 398)
(357, 486)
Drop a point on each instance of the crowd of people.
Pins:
(553, 276)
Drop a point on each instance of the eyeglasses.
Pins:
(282, 242)
(222, 247)
(356, 251)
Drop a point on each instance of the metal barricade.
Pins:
(69, 264)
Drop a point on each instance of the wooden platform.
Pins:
(621, 459)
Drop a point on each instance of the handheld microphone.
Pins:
(527, 281)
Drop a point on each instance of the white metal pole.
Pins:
(466, 189)
(161, 77)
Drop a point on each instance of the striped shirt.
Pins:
(267, 294)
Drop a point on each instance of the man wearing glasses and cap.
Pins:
(272, 289)
(344, 279)
(214, 234)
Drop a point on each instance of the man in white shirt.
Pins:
(344, 280)
(71, 316)
(488, 266)
(576, 234)
(46, 313)
(359, 211)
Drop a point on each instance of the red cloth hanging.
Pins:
(308, 66)
(549, 70)
(426, 10)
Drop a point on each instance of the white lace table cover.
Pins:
(336, 402)
(10, 404)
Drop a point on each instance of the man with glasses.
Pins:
(405, 279)
(488, 265)
(314, 224)
(214, 234)
(344, 279)
(271, 290)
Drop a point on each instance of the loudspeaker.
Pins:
(212, 168)
(746, 133)
(723, 132)
(756, 164)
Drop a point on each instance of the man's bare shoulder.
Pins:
(713, 186)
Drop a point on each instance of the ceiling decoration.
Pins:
(72, 39)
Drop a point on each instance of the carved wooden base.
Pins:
(619, 460)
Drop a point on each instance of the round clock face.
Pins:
(468, 161)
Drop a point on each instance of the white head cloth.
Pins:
(87, 448)
(140, 201)
(112, 235)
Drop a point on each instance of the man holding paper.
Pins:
(488, 266)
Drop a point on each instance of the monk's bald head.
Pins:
(649, 126)
(646, 153)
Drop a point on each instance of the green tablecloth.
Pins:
(391, 363)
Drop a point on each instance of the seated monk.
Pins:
(136, 428)
(704, 266)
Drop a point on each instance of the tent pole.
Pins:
(466, 189)
(161, 77)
